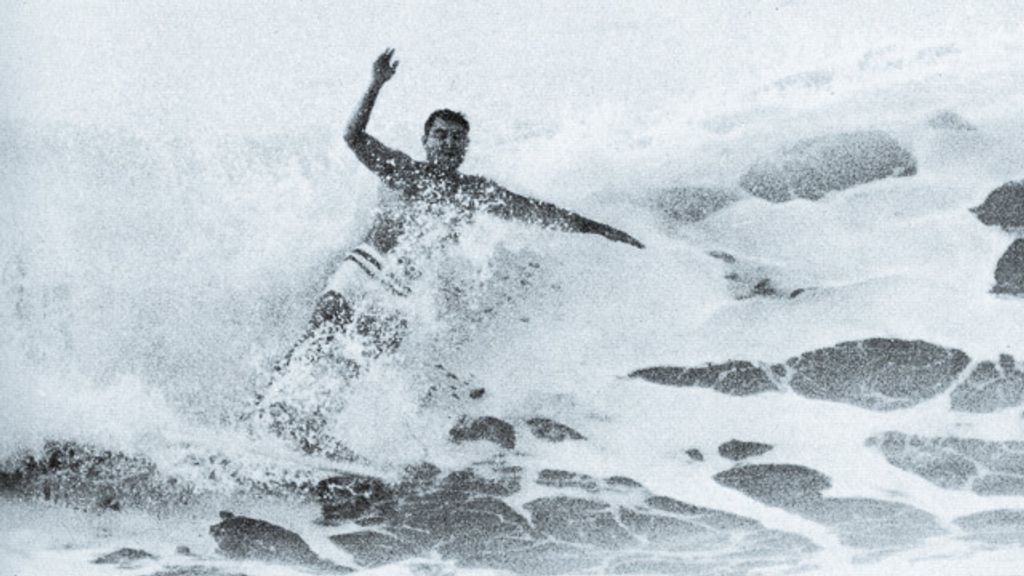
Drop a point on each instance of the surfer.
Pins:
(423, 204)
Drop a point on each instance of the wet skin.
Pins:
(418, 192)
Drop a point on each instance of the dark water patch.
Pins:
(723, 256)
(487, 428)
(462, 525)
(242, 538)
(540, 557)
(991, 386)
(751, 279)
(999, 485)
(688, 204)
(622, 482)
(464, 516)
(787, 486)
(695, 455)
(949, 120)
(737, 378)
(871, 523)
(707, 517)
(474, 532)
(763, 542)
(195, 570)
(737, 450)
(1010, 270)
(987, 468)
(662, 530)
(579, 521)
(495, 480)
(565, 479)
(124, 556)
(647, 565)
(417, 475)
(552, 431)
(353, 496)
(734, 565)
(759, 287)
(878, 373)
(999, 527)
(438, 518)
(860, 522)
(813, 167)
(370, 548)
(450, 388)
(1003, 207)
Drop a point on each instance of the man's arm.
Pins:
(371, 152)
(512, 206)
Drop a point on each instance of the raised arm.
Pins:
(512, 206)
(370, 151)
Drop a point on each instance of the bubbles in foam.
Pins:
(165, 247)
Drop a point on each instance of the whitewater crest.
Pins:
(483, 498)
(815, 365)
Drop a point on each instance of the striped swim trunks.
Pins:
(363, 271)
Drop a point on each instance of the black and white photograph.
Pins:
(523, 288)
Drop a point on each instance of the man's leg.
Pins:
(331, 317)
(382, 332)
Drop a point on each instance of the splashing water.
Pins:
(176, 193)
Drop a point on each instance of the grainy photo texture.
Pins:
(511, 288)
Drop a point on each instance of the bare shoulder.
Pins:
(381, 159)
(483, 186)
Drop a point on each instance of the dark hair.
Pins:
(446, 115)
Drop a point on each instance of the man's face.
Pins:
(446, 144)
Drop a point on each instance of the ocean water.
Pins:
(176, 191)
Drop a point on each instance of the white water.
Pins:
(176, 191)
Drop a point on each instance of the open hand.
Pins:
(383, 67)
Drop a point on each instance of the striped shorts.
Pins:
(363, 294)
(363, 271)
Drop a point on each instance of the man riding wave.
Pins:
(423, 205)
(418, 198)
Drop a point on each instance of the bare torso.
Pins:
(426, 207)
(425, 197)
